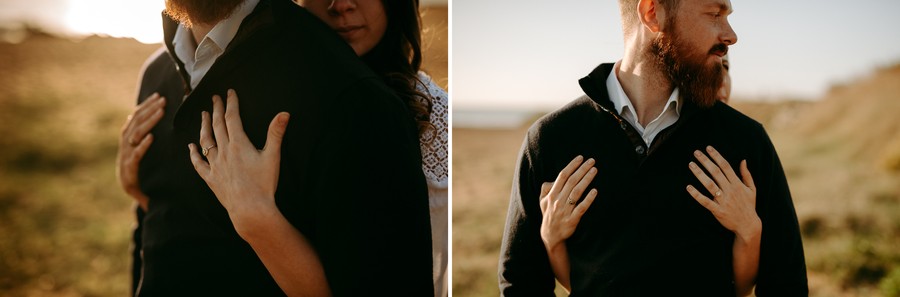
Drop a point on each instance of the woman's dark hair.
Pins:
(398, 57)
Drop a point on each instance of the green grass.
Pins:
(64, 221)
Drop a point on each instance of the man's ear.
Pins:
(650, 15)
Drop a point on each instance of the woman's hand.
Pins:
(134, 142)
(734, 206)
(559, 201)
(734, 201)
(243, 178)
(562, 212)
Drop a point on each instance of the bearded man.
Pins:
(640, 124)
(369, 230)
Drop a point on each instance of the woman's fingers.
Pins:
(220, 131)
(144, 108)
(233, 123)
(207, 143)
(585, 204)
(200, 165)
(545, 200)
(747, 178)
(132, 131)
(703, 200)
(573, 180)
(141, 128)
(545, 189)
(564, 176)
(723, 164)
(276, 133)
(713, 170)
(141, 148)
(707, 183)
(581, 186)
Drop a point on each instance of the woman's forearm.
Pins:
(746, 258)
(285, 252)
(559, 261)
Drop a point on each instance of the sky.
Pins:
(139, 19)
(526, 54)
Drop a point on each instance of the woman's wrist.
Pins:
(553, 245)
(750, 233)
(254, 219)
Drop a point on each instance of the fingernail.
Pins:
(591, 160)
(593, 191)
(190, 146)
(579, 157)
(692, 165)
(709, 148)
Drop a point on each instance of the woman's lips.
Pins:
(347, 32)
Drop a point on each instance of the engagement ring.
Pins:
(206, 149)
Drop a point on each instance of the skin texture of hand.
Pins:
(244, 180)
(134, 141)
(562, 212)
(734, 206)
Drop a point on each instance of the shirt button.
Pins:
(639, 149)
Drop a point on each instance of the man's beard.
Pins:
(686, 68)
(191, 12)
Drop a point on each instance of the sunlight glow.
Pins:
(138, 19)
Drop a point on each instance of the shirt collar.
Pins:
(224, 31)
(621, 101)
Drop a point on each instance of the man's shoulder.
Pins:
(157, 62)
(571, 117)
(737, 121)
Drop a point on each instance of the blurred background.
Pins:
(68, 76)
(823, 77)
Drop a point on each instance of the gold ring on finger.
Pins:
(132, 142)
(205, 150)
(719, 193)
(570, 201)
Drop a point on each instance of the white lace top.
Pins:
(434, 142)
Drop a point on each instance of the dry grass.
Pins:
(841, 155)
(64, 222)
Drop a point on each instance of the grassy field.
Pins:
(841, 155)
(64, 221)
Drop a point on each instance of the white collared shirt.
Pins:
(197, 60)
(624, 107)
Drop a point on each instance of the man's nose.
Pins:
(729, 37)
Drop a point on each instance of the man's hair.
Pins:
(630, 13)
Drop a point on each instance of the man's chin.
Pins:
(189, 12)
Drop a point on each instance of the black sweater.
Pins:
(350, 181)
(645, 235)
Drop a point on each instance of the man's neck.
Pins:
(645, 85)
(199, 31)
